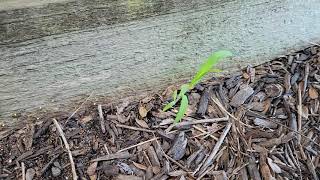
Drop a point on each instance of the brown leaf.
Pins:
(139, 166)
(143, 111)
(86, 119)
(142, 123)
(313, 93)
(92, 168)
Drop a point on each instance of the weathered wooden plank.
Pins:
(139, 54)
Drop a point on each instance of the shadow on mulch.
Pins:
(260, 123)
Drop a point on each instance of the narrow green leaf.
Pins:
(183, 109)
(169, 106)
(174, 95)
(206, 66)
(183, 89)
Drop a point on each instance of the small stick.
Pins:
(191, 121)
(79, 107)
(139, 144)
(135, 128)
(225, 111)
(73, 168)
(23, 168)
(201, 121)
(299, 113)
(176, 162)
(43, 170)
(103, 127)
(215, 149)
(203, 131)
(106, 148)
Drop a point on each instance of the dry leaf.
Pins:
(313, 93)
(264, 123)
(92, 169)
(139, 166)
(86, 119)
(156, 169)
(142, 123)
(303, 111)
(143, 111)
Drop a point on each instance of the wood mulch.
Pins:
(260, 123)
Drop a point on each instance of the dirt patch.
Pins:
(260, 123)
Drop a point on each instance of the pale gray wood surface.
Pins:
(46, 63)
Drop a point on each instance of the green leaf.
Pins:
(206, 66)
(183, 109)
(174, 95)
(169, 105)
(183, 89)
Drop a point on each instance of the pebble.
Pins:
(56, 164)
(30, 174)
(55, 171)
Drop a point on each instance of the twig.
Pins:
(225, 111)
(191, 121)
(134, 128)
(118, 155)
(201, 121)
(79, 107)
(176, 162)
(285, 127)
(49, 163)
(139, 144)
(215, 150)
(73, 168)
(299, 113)
(23, 168)
(103, 127)
(203, 131)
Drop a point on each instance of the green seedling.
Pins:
(205, 68)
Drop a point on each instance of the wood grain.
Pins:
(56, 53)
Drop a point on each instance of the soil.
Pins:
(259, 123)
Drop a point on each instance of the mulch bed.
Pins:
(260, 123)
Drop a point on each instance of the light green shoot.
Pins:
(182, 109)
(205, 68)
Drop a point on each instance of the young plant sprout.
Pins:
(205, 68)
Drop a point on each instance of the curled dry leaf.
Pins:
(142, 123)
(143, 111)
(274, 90)
(313, 93)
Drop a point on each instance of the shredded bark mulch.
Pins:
(260, 123)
